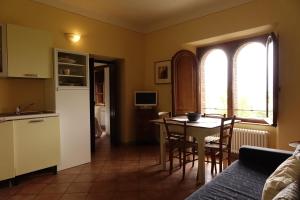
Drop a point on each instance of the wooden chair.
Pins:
(216, 137)
(164, 114)
(223, 145)
(161, 115)
(178, 141)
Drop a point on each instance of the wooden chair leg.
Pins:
(213, 161)
(171, 160)
(229, 157)
(221, 162)
(215, 165)
(180, 157)
(194, 152)
(183, 164)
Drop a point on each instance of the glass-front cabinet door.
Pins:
(71, 69)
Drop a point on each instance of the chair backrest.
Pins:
(226, 131)
(178, 126)
(214, 115)
(164, 114)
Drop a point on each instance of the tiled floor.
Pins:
(127, 172)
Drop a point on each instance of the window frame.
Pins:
(231, 48)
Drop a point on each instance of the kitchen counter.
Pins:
(26, 115)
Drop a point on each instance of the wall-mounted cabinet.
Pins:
(25, 52)
(71, 69)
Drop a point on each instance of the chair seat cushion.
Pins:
(214, 146)
(236, 182)
(210, 139)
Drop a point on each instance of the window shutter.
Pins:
(184, 83)
(273, 79)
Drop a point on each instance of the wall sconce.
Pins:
(73, 37)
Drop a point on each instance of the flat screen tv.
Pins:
(145, 98)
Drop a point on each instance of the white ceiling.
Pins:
(143, 15)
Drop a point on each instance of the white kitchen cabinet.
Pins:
(6, 150)
(27, 52)
(36, 144)
(71, 69)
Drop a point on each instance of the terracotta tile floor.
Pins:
(126, 172)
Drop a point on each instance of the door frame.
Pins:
(114, 84)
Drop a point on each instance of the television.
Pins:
(145, 98)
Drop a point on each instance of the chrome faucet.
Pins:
(19, 110)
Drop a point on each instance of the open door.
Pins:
(114, 83)
(92, 104)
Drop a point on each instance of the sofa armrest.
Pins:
(266, 159)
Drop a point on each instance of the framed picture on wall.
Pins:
(162, 71)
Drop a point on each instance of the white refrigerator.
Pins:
(72, 104)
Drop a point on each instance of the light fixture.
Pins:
(73, 37)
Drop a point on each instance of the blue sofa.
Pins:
(244, 178)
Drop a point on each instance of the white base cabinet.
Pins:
(6, 150)
(28, 145)
(36, 144)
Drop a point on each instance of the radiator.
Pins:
(251, 137)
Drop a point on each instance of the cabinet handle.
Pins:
(31, 75)
(36, 121)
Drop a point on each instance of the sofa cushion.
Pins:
(290, 192)
(286, 173)
(236, 182)
(297, 152)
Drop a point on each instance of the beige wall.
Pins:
(98, 38)
(281, 15)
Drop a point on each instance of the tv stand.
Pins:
(145, 107)
(145, 130)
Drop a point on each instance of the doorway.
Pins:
(101, 98)
(104, 101)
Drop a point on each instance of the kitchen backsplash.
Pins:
(14, 92)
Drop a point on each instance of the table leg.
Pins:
(162, 148)
(201, 166)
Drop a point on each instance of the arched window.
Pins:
(250, 81)
(241, 77)
(213, 76)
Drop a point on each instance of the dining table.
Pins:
(203, 127)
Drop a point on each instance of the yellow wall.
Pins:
(139, 52)
(15, 92)
(98, 38)
(281, 15)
